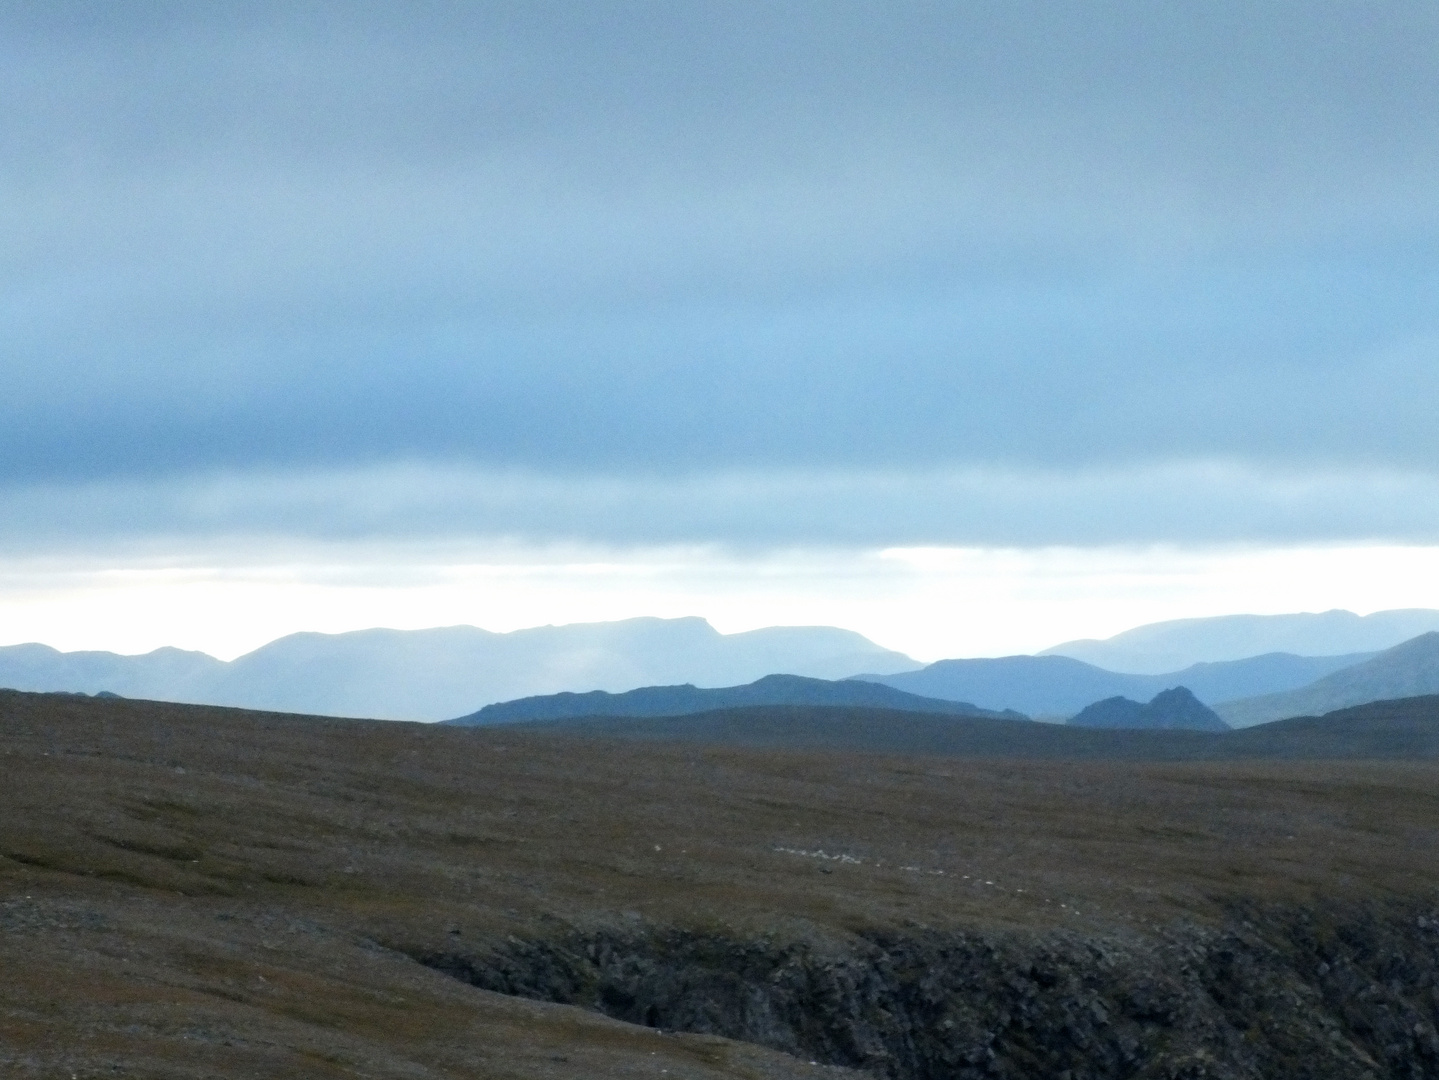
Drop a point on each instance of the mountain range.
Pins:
(445, 672)
(1059, 686)
(1168, 646)
(1056, 687)
(686, 699)
(453, 671)
(1407, 670)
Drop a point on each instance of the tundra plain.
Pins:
(193, 891)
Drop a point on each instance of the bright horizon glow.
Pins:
(929, 602)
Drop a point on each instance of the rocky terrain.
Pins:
(190, 891)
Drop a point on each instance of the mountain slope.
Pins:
(443, 672)
(1176, 709)
(1060, 685)
(1407, 670)
(1166, 646)
(682, 700)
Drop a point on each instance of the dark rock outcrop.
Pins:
(1175, 708)
(1312, 994)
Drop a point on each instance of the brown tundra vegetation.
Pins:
(200, 892)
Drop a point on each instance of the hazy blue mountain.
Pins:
(1407, 670)
(1036, 685)
(38, 667)
(683, 700)
(1174, 709)
(1168, 646)
(1060, 686)
(440, 673)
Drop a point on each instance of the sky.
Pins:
(970, 326)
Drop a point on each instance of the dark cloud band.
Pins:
(1200, 503)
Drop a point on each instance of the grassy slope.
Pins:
(190, 891)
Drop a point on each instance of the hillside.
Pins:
(1061, 686)
(440, 673)
(679, 700)
(1168, 646)
(1406, 670)
(190, 891)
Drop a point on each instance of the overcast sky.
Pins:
(745, 277)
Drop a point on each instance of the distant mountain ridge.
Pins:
(1060, 686)
(1406, 729)
(1407, 670)
(180, 672)
(1168, 646)
(1176, 710)
(450, 671)
(444, 672)
(682, 700)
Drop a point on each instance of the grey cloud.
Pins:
(699, 240)
(1185, 503)
(1110, 372)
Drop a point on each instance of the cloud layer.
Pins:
(846, 272)
(1195, 503)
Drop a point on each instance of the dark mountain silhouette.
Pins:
(1175, 709)
(1061, 685)
(1404, 730)
(681, 700)
(1113, 712)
